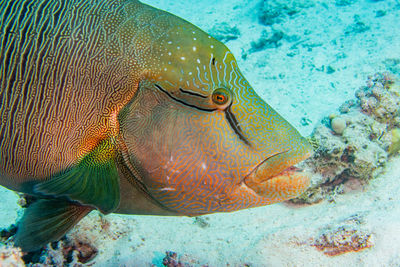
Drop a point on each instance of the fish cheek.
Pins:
(198, 175)
(146, 126)
(180, 153)
(155, 134)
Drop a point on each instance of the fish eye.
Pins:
(220, 96)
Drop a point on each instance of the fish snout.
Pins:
(277, 179)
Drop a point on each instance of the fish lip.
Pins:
(264, 162)
(270, 157)
(290, 169)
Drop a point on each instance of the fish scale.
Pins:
(48, 76)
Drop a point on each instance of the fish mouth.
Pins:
(277, 178)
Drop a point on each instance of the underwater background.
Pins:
(331, 68)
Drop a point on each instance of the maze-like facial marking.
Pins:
(206, 142)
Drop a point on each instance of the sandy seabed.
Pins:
(327, 51)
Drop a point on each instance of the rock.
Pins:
(349, 237)
(275, 11)
(12, 257)
(345, 2)
(330, 70)
(338, 125)
(224, 32)
(357, 27)
(267, 40)
(394, 146)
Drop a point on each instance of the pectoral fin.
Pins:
(94, 181)
(47, 220)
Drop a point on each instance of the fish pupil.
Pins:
(220, 97)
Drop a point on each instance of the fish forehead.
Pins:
(193, 60)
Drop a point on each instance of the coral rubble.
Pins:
(267, 40)
(343, 240)
(170, 260)
(272, 12)
(224, 32)
(352, 147)
(11, 257)
(66, 252)
(350, 236)
(173, 260)
(201, 221)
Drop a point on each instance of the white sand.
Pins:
(8, 207)
(277, 235)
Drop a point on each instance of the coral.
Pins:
(224, 32)
(25, 200)
(352, 151)
(172, 260)
(346, 106)
(343, 240)
(81, 245)
(11, 257)
(394, 146)
(66, 252)
(381, 99)
(348, 235)
(338, 125)
(81, 251)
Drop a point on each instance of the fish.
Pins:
(120, 107)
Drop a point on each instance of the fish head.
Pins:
(201, 140)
